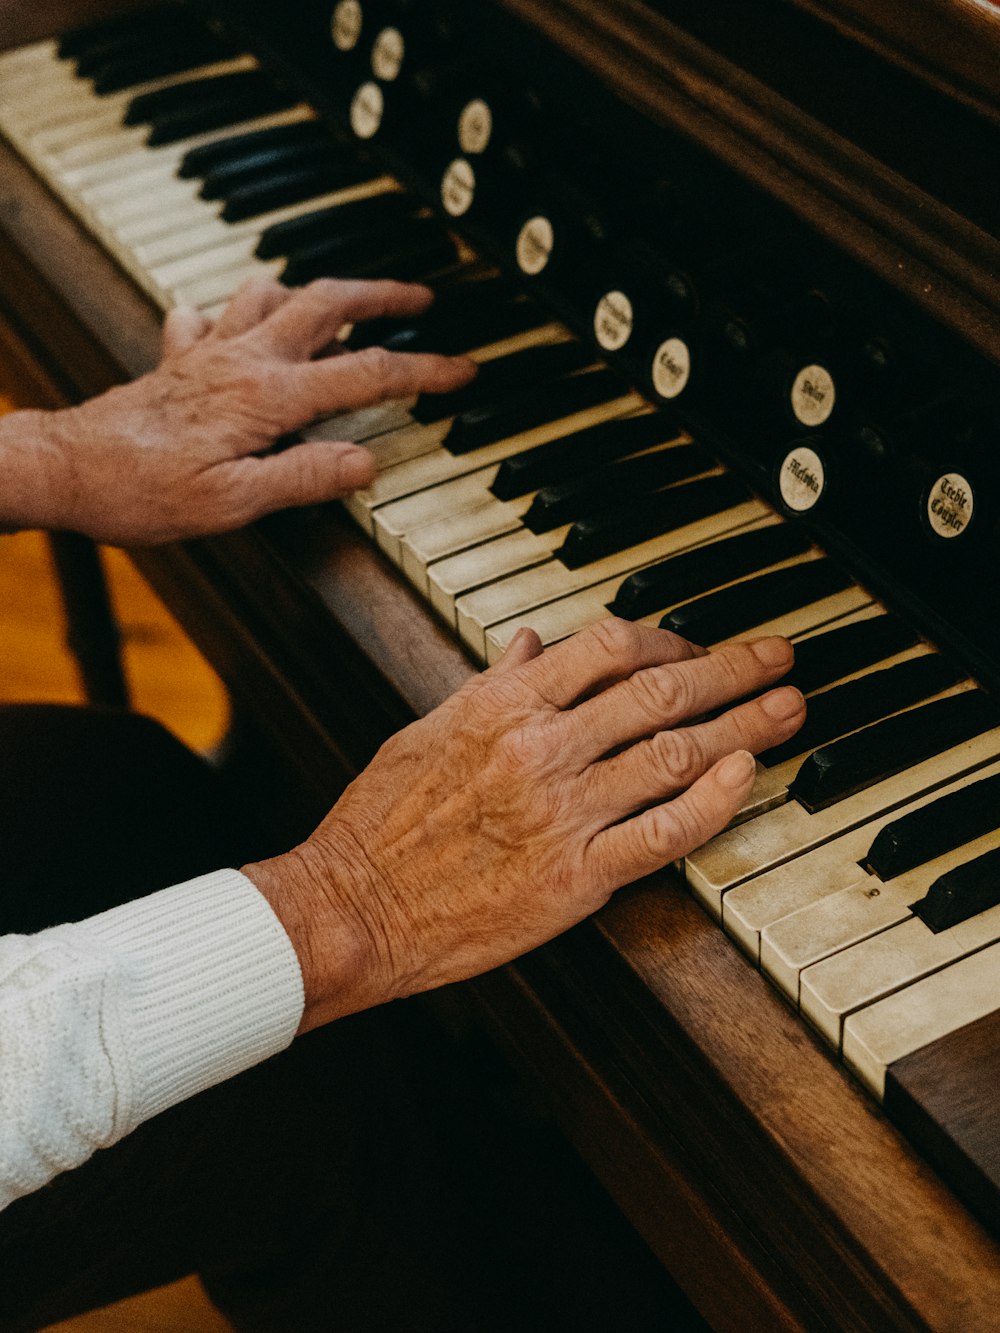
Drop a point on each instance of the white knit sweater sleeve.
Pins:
(109, 1021)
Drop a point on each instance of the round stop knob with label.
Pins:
(801, 479)
(949, 506)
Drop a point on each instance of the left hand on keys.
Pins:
(180, 452)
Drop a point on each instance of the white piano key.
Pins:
(205, 233)
(847, 982)
(152, 179)
(512, 550)
(126, 151)
(838, 919)
(453, 497)
(52, 107)
(28, 58)
(432, 469)
(98, 120)
(750, 907)
(220, 286)
(476, 612)
(202, 264)
(170, 195)
(787, 832)
(458, 532)
(902, 1023)
(558, 620)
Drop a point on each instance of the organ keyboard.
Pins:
(726, 433)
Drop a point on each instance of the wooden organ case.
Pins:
(776, 224)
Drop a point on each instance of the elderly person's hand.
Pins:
(180, 452)
(517, 808)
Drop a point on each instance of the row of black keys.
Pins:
(257, 172)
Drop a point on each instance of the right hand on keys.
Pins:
(516, 809)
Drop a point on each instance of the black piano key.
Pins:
(205, 157)
(546, 464)
(294, 185)
(196, 106)
(856, 703)
(468, 331)
(114, 75)
(960, 893)
(616, 529)
(146, 107)
(532, 408)
(353, 219)
(719, 615)
(422, 249)
(471, 313)
(614, 483)
(522, 370)
(826, 657)
(692, 573)
(844, 767)
(947, 823)
(316, 151)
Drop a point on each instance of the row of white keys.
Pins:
(390, 432)
(836, 938)
(753, 848)
(440, 554)
(902, 1023)
(481, 520)
(174, 243)
(424, 469)
(515, 598)
(824, 901)
(560, 619)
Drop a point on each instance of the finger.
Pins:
(672, 760)
(251, 305)
(182, 328)
(600, 655)
(665, 695)
(660, 835)
(523, 647)
(374, 376)
(316, 314)
(308, 473)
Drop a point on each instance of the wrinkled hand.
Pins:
(177, 453)
(516, 809)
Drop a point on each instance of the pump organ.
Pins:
(733, 380)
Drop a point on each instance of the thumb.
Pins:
(524, 646)
(310, 473)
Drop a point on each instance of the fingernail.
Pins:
(783, 703)
(772, 652)
(736, 769)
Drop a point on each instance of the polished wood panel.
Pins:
(942, 261)
(946, 1098)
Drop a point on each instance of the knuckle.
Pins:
(377, 364)
(662, 695)
(322, 289)
(680, 753)
(523, 748)
(661, 830)
(616, 638)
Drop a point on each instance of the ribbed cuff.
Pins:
(208, 985)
